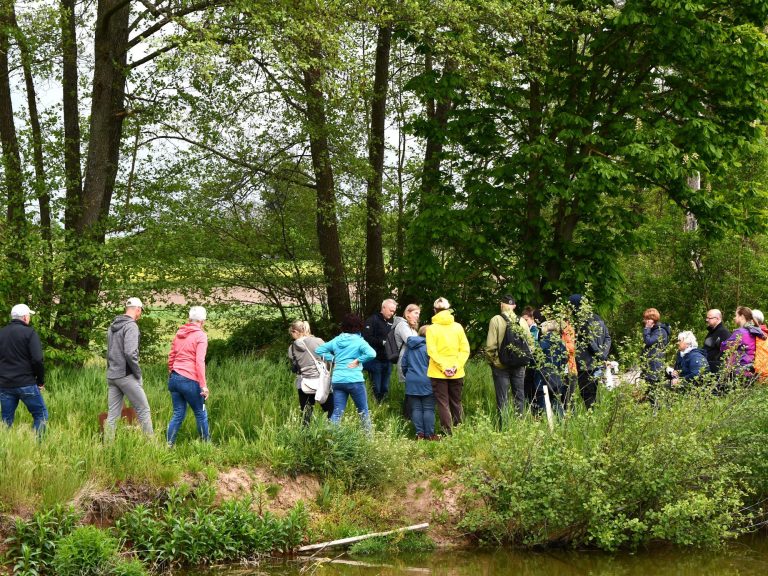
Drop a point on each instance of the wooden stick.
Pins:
(353, 539)
(548, 405)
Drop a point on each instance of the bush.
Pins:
(263, 336)
(189, 531)
(620, 476)
(347, 453)
(87, 551)
(32, 546)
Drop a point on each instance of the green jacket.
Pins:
(496, 330)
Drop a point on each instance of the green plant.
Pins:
(33, 542)
(403, 542)
(187, 531)
(86, 551)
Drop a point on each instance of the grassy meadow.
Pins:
(693, 471)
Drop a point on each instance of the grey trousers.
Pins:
(133, 388)
(503, 379)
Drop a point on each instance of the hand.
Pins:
(649, 323)
(204, 392)
(354, 364)
(450, 372)
(675, 381)
(41, 387)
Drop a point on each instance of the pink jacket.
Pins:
(187, 355)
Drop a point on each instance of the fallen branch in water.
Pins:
(353, 539)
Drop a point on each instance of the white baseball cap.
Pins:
(134, 303)
(21, 310)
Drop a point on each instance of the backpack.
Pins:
(515, 350)
(391, 349)
(760, 365)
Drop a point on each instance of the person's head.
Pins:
(441, 304)
(197, 314)
(299, 329)
(411, 315)
(423, 330)
(651, 315)
(388, 308)
(575, 301)
(549, 326)
(507, 304)
(686, 339)
(134, 308)
(758, 317)
(743, 316)
(351, 323)
(714, 317)
(21, 312)
(528, 315)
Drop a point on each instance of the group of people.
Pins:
(723, 351)
(430, 361)
(556, 357)
(22, 373)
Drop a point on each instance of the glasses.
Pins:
(711, 317)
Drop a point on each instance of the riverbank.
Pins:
(692, 472)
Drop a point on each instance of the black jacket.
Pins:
(21, 356)
(715, 336)
(593, 343)
(375, 333)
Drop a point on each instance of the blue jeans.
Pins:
(32, 399)
(380, 372)
(341, 391)
(186, 391)
(423, 414)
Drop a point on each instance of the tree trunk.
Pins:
(327, 228)
(375, 281)
(16, 232)
(45, 303)
(73, 179)
(86, 214)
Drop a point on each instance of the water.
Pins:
(748, 557)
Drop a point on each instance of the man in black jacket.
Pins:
(716, 334)
(22, 376)
(377, 326)
(593, 343)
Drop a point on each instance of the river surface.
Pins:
(748, 557)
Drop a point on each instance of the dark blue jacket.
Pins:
(555, 362)
(21, 356)
(375, 333)
(692, 364)
(656, 339)
(415, 363)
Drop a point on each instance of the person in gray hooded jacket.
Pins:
(123, 371)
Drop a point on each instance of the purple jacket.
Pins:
(742, 342)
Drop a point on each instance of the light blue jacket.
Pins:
(342, 350)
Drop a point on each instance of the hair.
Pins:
(351, 323)
(689, 338)
(652, 314)
(746, 312)
(300, 327)
(441, 304)
(423, 330)
(550, 326)
(388, 301)
(408, 309)
(528, 311)
(758, 316)
(507, 308)
(197, 314)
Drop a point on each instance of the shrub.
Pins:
(32, 545)
(87, 551)
(189, 531)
